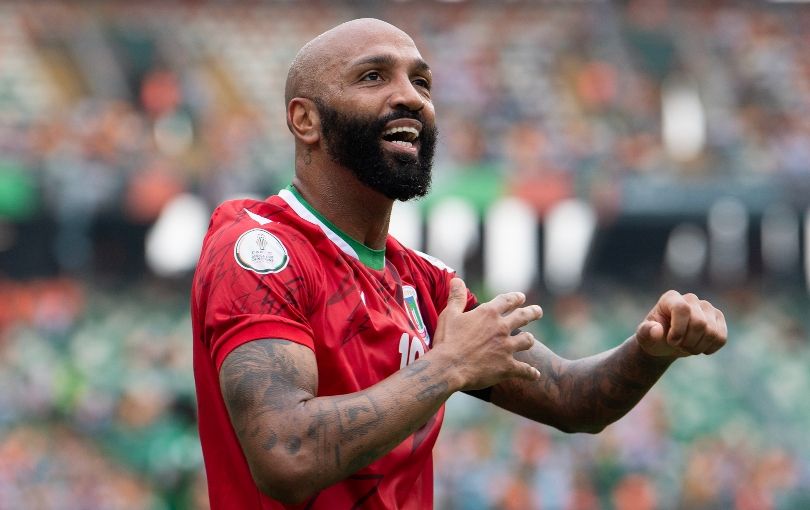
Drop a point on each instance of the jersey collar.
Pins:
(375, 259)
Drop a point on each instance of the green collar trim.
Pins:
(375, 259)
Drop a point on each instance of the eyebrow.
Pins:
(389, 61)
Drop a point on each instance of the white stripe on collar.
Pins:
(302, 211)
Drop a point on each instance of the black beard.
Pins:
(355, 142)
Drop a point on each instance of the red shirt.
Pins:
(277, 269)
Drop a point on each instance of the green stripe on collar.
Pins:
(375, 259)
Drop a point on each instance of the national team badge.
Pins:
(412, 307)
(260, 251)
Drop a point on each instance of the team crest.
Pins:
(412, 307)
(260, 251)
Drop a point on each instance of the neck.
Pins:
(358, 211)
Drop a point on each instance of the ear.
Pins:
(303, 120)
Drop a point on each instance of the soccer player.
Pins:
(324, 349)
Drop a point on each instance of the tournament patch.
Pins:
(260, 251)
(412, 307)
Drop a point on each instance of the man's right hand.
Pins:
(479, 342)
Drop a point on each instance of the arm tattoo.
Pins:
(432, 391)
(585, 394)
(270, 388)
(247, 390)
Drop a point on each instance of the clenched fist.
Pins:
(682, 325)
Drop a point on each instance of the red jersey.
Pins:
(278, 269)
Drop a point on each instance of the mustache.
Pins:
(401, 114)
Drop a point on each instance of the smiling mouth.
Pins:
(402, 137)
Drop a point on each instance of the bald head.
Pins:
(329, 49)
(359, 107)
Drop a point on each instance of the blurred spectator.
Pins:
(567, 99)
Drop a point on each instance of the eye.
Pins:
(421, 82)
(372, 76)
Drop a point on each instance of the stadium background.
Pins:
(650, 144)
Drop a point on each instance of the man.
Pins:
(325, 350)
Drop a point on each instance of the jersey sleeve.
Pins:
(259, 285)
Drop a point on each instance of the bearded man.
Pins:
(324, 349)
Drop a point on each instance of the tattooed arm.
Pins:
(588, 394)
(297, 443)
(582, 395)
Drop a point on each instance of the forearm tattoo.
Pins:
(585, 394)
(270, 393)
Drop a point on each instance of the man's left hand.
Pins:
(682, 325)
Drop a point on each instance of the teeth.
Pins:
(404, 144)
(411, 131)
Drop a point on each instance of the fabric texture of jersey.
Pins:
(277, 269)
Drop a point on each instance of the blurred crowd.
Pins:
(97, 408)
(544, 100)
(97, 411)
(109, 110)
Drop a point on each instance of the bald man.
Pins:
(324, 349)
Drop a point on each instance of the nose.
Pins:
(406, 96)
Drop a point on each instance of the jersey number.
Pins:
(409, 349)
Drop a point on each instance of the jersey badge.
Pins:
(260, 251)
(412, 307)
